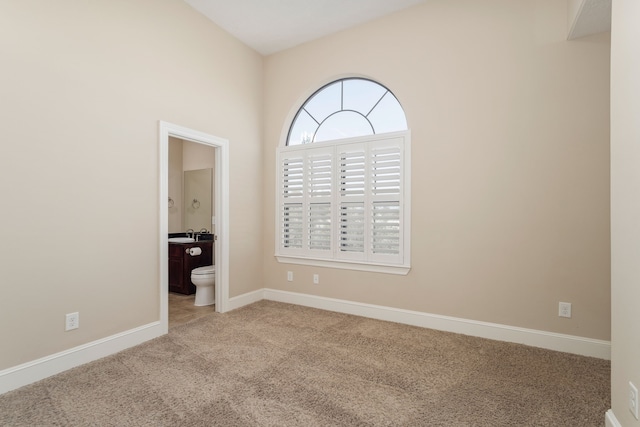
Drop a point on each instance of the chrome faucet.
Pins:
(202, 230)
(193, 233)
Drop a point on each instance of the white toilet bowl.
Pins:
(204, 278)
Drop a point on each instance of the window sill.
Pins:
(402, 270)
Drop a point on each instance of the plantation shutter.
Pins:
(319, 207)
(291, 204)
(305, 208)
(344, 201)
(351, 200)
(386, 203)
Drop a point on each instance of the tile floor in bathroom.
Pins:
(182, 310)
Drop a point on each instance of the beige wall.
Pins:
(510, 152)
(83, 87)
(625, 206)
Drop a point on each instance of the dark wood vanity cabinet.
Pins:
(181, 263)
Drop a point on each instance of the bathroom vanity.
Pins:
(181, 262)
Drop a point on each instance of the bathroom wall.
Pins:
(83, 87)
(175, 185)
(198, 156)
(510, 161)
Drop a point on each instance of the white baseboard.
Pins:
(245, 299)
(549, 340)
(610, 419)
(39, 369)
(36, 370)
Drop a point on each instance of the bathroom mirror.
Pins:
(197, 199)
(191, 177)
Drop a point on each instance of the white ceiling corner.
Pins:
(592, 17)
(269, 26)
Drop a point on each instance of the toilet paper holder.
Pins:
(193, 251)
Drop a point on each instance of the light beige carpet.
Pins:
(274, 364)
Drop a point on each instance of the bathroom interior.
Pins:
(191, 236)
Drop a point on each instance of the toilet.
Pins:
(204, 278)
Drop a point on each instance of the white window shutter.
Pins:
(291, 195)
(387, 201)
(352, 177)
(319, 205)
(345, 201)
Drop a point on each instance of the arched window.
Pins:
(344, 180)
(347, 108)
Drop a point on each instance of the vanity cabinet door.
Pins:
(176, 267)
(181, 263)
(175, 275)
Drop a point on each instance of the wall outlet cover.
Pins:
(564, 309)
(72, 321)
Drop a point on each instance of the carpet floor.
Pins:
(275, 364)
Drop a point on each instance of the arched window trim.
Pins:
(303, 108)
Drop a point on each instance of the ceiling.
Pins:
(270, 26)
(592, 17)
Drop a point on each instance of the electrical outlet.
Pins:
(72, 321)
(316, 279)
(564, 309)
(633, 399)
(290, 276)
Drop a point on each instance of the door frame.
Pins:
(221, 243)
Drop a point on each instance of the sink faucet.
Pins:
(202, 230)
(193, 233)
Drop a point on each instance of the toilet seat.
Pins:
(207, 269)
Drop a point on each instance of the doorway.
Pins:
(221, 213)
